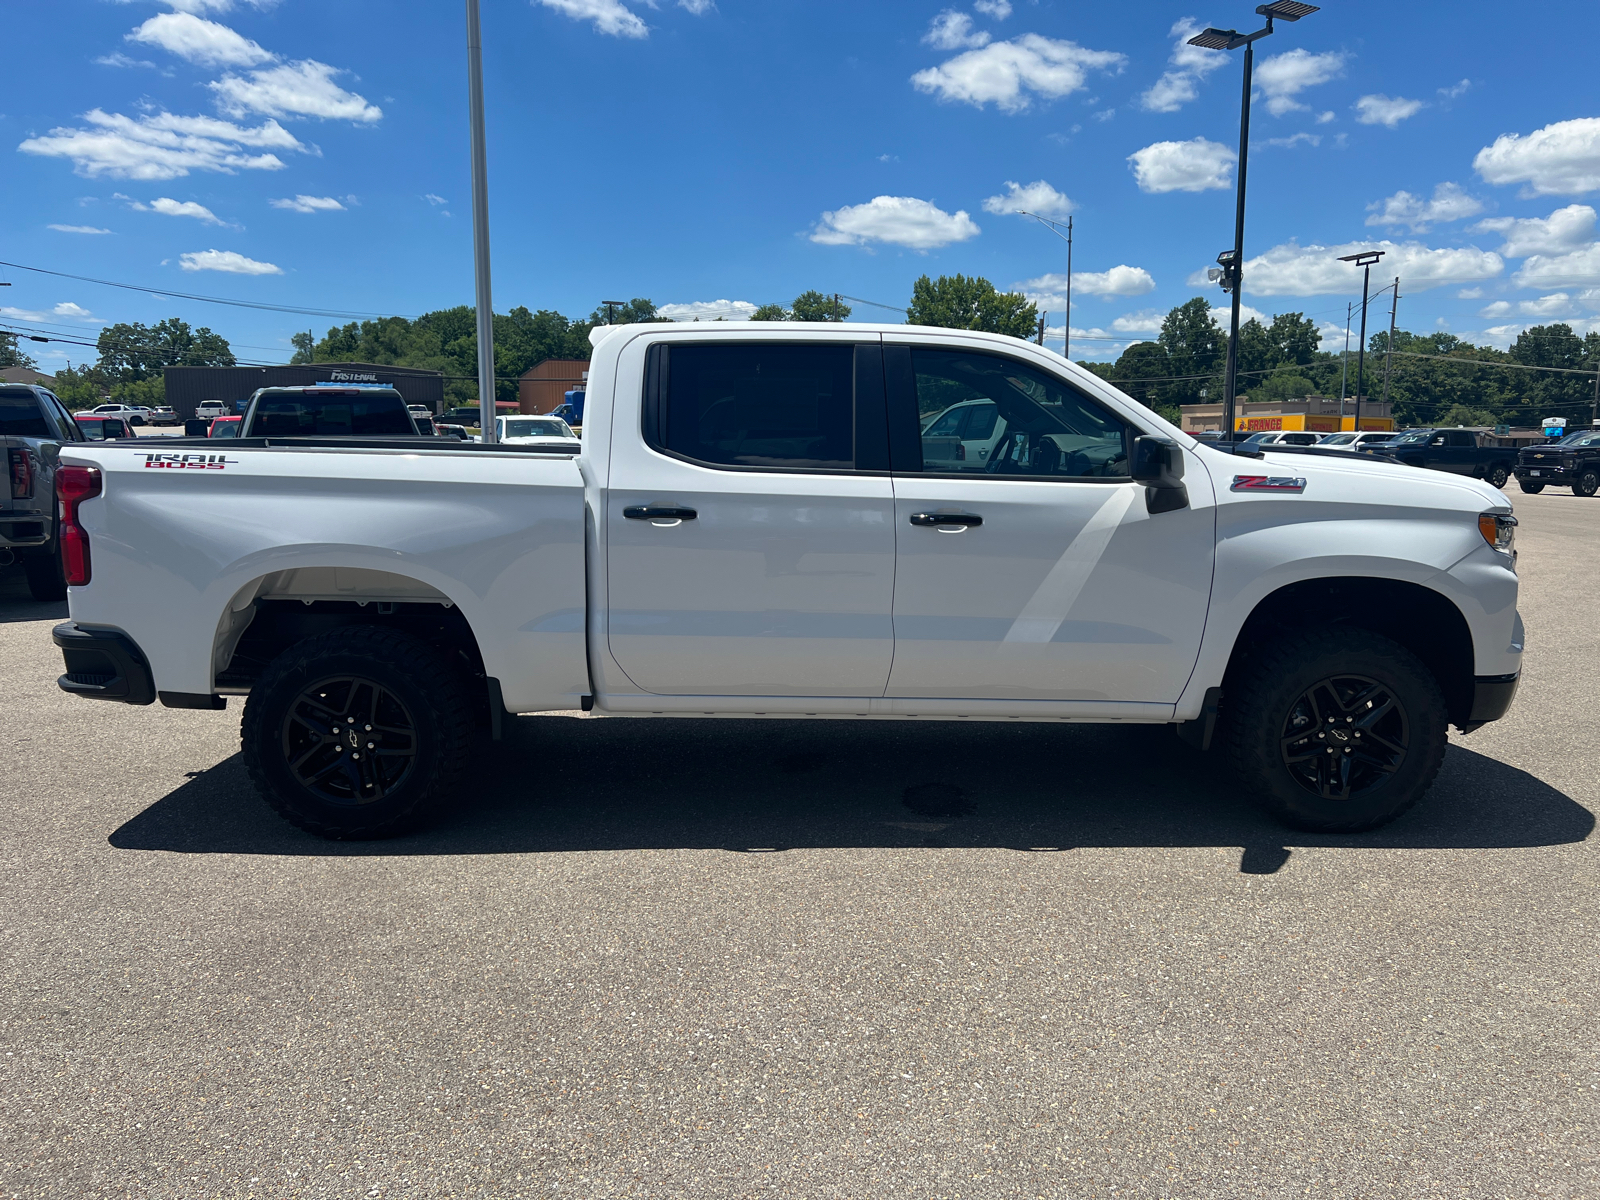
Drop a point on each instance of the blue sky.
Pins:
(710, 155)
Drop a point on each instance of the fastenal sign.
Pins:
(352, 377)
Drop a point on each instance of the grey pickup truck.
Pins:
(34, 425)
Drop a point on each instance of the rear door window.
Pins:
(20, 416)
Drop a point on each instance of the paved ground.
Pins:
(697, 959)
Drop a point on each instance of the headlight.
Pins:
(1499, 530)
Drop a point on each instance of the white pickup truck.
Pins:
(751, 529)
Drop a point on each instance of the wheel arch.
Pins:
(1423, 620)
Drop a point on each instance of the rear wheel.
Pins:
(1336, 732)
(1533, 489)
(1587, 483)
(358, 733)
(45, 580)
(1498, 476)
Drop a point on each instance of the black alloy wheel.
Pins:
(1498, 476)
(1587, 483)
(1344, 736)
(350, 740)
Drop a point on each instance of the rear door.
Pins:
(751, 542)
(1037, 573)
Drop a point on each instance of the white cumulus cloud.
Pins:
(1562, 159)
(229, 261)
(78, 229)
(200, 41)
(1498, 309)
(998, 9)
(297, 89)
(309, 204)
(1121, 280)
(1565, 229)
(609, 16)
(1036, 197)
(169, 207)
(895, 220)
(1146, 320)
(708, 310)
(952, 30)
(1378, 109)
(163, 146)
(1554, 305)
(1449, 203)
(1283, 77)
(1188, 65)
(1009, 74)
(68, 309)
(1577, 268)
(1193, 166)
(1295, 270)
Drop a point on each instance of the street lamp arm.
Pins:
(1052, 226)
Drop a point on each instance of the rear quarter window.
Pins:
(20, 416)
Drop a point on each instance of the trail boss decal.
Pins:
(190, 462)
(1268, 483)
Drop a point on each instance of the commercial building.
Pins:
(544, 386)
(1318, 414)
(187, 386)
(26, 375)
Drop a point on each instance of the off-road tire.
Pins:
(432, 697)
(1532, 489)
(1498, 476)
(1265, 696)
(1586, 484)
(45, 579)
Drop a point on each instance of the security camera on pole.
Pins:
(1232, 261)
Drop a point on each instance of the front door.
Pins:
(750, 550)
(1037, 573)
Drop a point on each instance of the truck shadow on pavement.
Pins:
(561, 784)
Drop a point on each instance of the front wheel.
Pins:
(1587, 483)
(1498, 476)
(1532, 489)
(1336, 732)
(357, 733)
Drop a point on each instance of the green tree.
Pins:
(814, 306)
(80, 387)
(305, 345)
(131, 352)
(637, 311)
(1462, 414)
(1195, 347)
(1282, 385)
(770, 312)
(971, 302)
(11, 354)
(1294, 339)
(1138, 372)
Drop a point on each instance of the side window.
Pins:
(64, 418)
(781, 406)
(1035, 424)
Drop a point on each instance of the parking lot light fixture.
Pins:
(1055, 228)
(1364, 260)
(1232, 271)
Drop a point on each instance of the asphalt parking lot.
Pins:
(697, 959)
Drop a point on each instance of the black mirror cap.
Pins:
(1157, 461)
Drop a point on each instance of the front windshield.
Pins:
(1339, 439)
(1412, 438)
(1585, 437)
(537, 427)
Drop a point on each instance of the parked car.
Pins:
(34, 428)
(103, 429)
(467, 415)
(1366, 440)
(754, 528)
(133, 414)
(459, 432)
(1459, 451)
(225, 427)
(1572, 462)
(163, 414)
(419, 410)
(967, 431)
(1282, 437)
(210, 409)
(551, 431)
(323, 411)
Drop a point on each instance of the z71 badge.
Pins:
(1268, 483)
(190, 462)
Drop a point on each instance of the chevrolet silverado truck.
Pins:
(34, 427)
(751, 528)
(1459, 451)
(1573, 462)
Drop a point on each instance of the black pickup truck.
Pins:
(1572, 462)
(1459, 451)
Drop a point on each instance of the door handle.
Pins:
(935, 519)
(659, 512)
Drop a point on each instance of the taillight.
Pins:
(21, 475)
(74, 485)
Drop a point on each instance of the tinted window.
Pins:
(533, 427)
(336, 414)
(782, 406)
(20, 416)
(1032, 423)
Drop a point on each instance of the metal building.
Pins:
(188, 386)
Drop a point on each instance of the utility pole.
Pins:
(1344, 361)
(836, 315)
(480, 226)
(1388, 350)
(1041, 328)
(1594, 407)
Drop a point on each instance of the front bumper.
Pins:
(1542, 474)
(1491, 698)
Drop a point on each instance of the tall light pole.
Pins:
(480, 226)
(1232, 261)
(1055, 228)
(1364, 260)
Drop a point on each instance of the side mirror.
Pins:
(1157, 462)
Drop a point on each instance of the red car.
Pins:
(225, 427)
